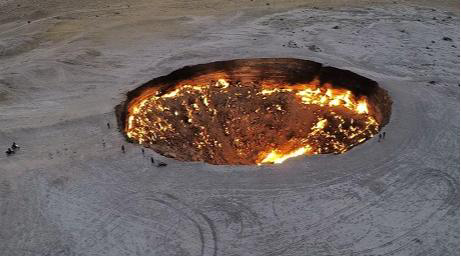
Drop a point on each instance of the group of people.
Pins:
(12, 150)
(152, 161)
(14, 147)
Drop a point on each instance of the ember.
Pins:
(241, 118)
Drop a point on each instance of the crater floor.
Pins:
(70, 190)
(248, 111)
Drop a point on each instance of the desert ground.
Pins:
(69, 190)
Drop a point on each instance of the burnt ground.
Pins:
(70, 190)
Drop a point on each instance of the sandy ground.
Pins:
(64, 66)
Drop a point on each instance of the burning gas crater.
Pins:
(254, 111)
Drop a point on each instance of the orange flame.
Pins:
(276, 157)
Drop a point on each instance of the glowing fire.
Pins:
(324, 96)
(207, 121)
(275, 157)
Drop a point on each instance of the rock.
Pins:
(445, 38)
(314, 48)
(171, 155)
(292, 44)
